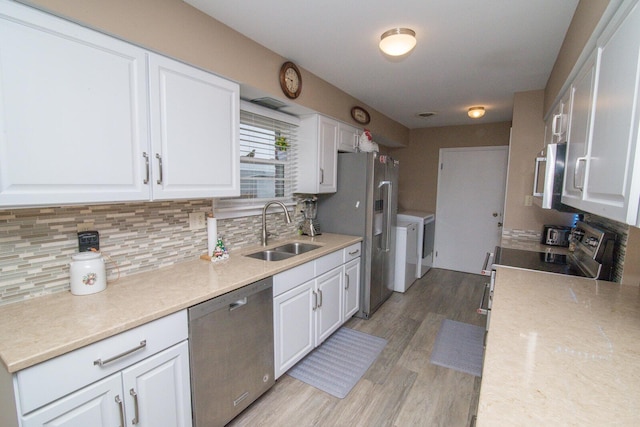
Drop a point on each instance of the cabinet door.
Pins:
(73, 112)
(195, 132)
(293, 326)
(97, 405)
(351, 288)
(580, 133)
(328, 155)
(157, 389)
(329, 311)
(612, 187)
(347, 138)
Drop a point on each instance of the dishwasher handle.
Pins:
(240, 303)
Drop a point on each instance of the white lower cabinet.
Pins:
(154, 392)
(139, 377)
(351, 288)
(310, 303)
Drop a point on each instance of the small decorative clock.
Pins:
(360, 115)
(290, 80)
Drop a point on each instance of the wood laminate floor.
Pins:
(401, 388)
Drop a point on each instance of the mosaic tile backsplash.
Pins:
(36, 244)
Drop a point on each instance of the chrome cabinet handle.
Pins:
(146, 165)
(539, 161)
(119, 402)
(238, 304)
(575, 173)
(346, 276)
(320, 294)
(354, 252)
(315, 300)
(321, 176)
(100, 362)
(159, 157)
(136, 415)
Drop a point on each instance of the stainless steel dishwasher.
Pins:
(231, 352)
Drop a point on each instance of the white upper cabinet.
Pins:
(605, 169)
(194, 127)
(87, 118)
(73, 112)
(582, 95)
(347, 138)
(317, 171)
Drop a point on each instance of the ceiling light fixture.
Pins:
(476, 112)
(397, 41)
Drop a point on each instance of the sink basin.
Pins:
(271, 255)
(296, 248)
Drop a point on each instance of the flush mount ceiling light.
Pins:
(397, 41)
(476, 112)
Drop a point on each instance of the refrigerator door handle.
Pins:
(387, 232)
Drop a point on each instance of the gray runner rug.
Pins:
(459, 346)
(339, 363)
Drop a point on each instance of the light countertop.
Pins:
(561, 350)
(36, 330)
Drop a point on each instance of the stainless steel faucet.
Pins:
(264, 218)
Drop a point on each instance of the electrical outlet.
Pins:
(528, 200)
(85, 226)
(196, 221)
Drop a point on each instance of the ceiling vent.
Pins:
(272, 103)
(426, 114)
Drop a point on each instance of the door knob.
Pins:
(499, 224)
(495, 214)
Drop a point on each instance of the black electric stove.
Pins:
(592, 258)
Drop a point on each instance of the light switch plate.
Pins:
(528, 200)
(196, 221)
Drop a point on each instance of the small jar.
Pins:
(88, 273)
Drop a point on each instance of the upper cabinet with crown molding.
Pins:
(88, 118)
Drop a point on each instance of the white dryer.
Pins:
(406, 255)
(426, 234)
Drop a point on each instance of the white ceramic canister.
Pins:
(88, 273)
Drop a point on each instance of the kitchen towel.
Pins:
(459, 346)
(339, 363)
(212, 235)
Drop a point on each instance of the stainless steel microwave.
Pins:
(548, 177)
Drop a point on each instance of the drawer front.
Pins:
(352, 252)
(328, 262)
(50, 380)
(287, 280)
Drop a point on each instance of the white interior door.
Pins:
(470, 203)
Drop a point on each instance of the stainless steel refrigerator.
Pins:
(366, 204)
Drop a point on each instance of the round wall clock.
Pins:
(290, 80)
(360, 115)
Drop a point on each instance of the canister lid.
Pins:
(86, 256)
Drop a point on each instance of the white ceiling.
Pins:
(469, 52)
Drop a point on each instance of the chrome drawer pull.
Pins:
(146, 164)
(354, 252)
(100, 362)
(136, 415)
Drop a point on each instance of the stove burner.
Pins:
(539, 261)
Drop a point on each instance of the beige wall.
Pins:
(419, 161)
(584, 21)
(527, 139)
(176, 29)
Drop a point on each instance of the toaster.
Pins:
(556, 235)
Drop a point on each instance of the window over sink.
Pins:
(268, 159)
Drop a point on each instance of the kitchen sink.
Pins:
(283, 252)
(271, 255)
(296, 248)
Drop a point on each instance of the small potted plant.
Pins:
(281, 147)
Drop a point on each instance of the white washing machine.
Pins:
(426, 234)
(406, 255)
